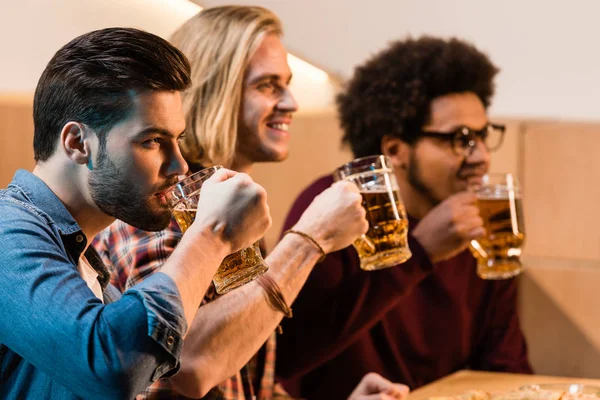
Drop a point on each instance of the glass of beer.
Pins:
(385, 244)
(237, 268)
(498, 253)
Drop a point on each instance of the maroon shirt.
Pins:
(413, 323)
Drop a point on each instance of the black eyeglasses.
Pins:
(464, 139)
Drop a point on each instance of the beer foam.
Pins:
(499, 192)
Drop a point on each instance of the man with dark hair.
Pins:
(421, 102)
(108, 117)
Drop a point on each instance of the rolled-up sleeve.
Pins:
(50, 318)
(164, 313)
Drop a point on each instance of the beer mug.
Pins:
(385, 244)
(237, 268)
(498, 253)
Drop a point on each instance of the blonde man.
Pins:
(238, 112)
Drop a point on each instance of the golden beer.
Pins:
(385, 244)
(498, 253)
(236, 269)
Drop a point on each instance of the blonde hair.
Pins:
(219, 42)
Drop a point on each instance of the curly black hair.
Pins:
(391, 93)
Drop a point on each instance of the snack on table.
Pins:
(530, 392)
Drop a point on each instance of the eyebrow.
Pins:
(155, 130)
(269, 77)
(455, 127)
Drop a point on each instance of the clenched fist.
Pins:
(335, 218)
(235, 207)
(449, 227)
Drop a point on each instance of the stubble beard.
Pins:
(415, 180)
(118, 197)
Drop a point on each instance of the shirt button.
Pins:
(170, 341)
(79, 238)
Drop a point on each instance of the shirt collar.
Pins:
(42, 197)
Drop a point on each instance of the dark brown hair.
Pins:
(94, 77)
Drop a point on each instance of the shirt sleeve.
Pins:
(52, 319)
(132, 254)
(503, 347)
(339, 301)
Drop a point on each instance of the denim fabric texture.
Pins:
(57, 340)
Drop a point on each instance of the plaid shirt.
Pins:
(131, 255)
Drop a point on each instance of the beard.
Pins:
(414, 178)
(120, 198)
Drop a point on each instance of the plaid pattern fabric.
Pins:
(131, 255)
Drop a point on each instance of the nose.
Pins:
(479, 153)
(287, 102)
(177, 164)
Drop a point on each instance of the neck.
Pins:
(65, 183)
(244, 166)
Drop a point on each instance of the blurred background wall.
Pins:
(548, 94)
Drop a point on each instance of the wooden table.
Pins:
(462, 381)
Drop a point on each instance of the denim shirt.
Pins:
(59, 341)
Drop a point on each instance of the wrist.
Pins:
(422, 239)
(209, 235)
(308, 238)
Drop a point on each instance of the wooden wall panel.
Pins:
(16, 135)
(508, 157)
(558, 291)
(559, 315)
(561, 192)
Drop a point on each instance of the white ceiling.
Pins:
(547, 49)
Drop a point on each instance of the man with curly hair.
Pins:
(421, 102)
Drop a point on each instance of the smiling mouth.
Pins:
(279, 127)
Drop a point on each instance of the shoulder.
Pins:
(27, 233)
(17, 213)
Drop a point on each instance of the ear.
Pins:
(75, 140)
(397, 150)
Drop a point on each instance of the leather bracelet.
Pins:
(274, 296)
(310, 239)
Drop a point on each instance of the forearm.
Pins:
(192, 266)
(227, 332)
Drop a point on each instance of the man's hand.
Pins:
(375, 387)
(235, 207)
(448, 228)
(335, 218)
